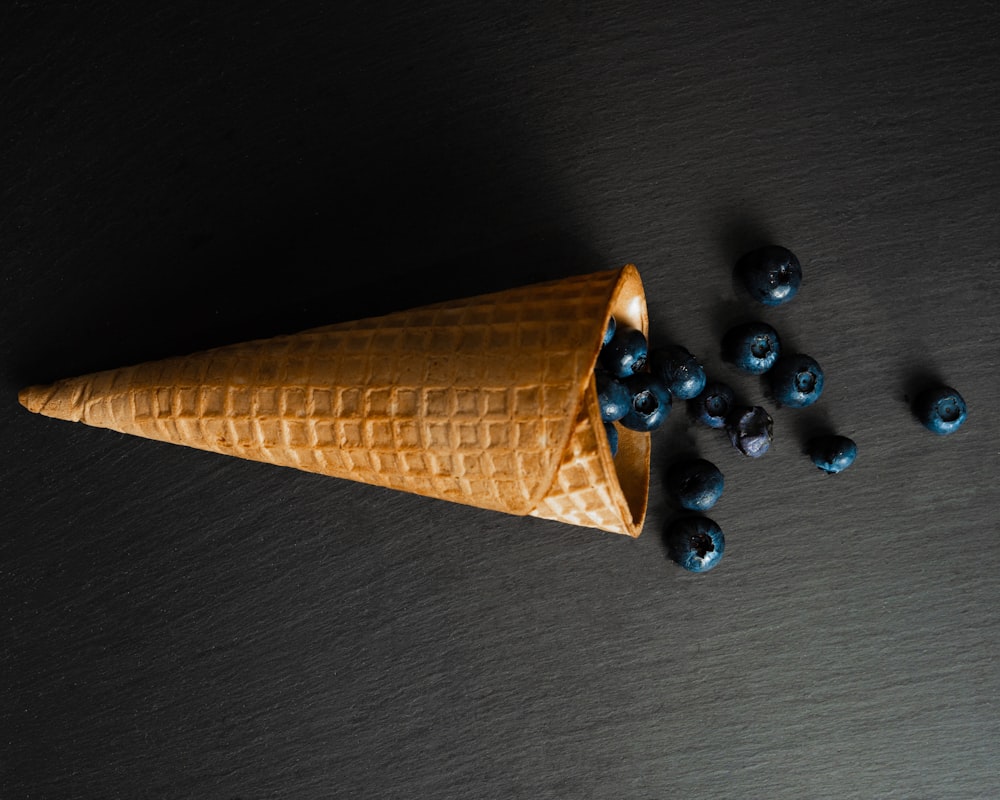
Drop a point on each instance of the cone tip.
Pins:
(32, 398)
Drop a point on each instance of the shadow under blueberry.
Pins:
(680, 452)
(741, 233)
(767, 390)
(806, 424)
(918, 380)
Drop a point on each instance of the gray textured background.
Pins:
(180, 625)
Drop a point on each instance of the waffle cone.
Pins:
(488, 401)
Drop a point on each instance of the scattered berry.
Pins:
(612, 396)
(713, 405)
(753, 347)
(625, 354)
(751, 431)
(772, 275)
(650, 404)
(695, 543)
(797, 381)
(941, 409)
(695, 484)
(612, 431)
(831, 453)
(679, 371)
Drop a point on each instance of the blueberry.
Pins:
(751, 431)
(797, 381)
(650, 404)
(753, 347)
(625, 354)
(696, 543)
(941, 409)
(772, 275)
(679, 371)
(831, 453)
(609, 331)
(713, 405)
(695, 484)
(612, 431)
(612, 396)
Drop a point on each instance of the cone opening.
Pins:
(628, 471)
(631, 464)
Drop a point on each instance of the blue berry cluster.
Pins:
(636, 386)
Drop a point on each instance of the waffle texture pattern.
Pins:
(474, 401)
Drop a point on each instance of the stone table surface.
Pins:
(178, 624)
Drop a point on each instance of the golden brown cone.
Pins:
(488, 401)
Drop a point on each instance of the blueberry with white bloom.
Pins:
(713, 405)
(609, 332)
(695, 543)
(832, 453)
(613, 398)
(679, 370)
(797, 380)
(941, 409)
(625, 354)
(753, 347)
(696, 484)
(772, 274)
(650, 403)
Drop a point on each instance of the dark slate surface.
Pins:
(180, 625)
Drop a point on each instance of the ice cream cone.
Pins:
(488, 401)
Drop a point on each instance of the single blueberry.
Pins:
(713, 405)
(772, 274)
(612, 431)
(797, 381)
(625, 354)
(650, 404)
(613, 397)
(695, 483)
(609, 332)
(941, 409)
(751, 430)
(679, 371)
(753, 347)
(831, 453)
(695, 543)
